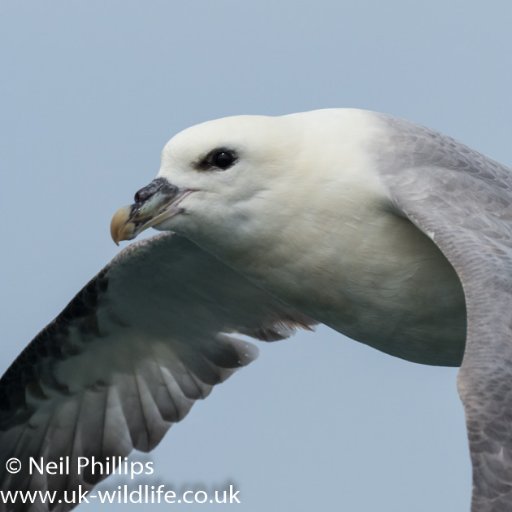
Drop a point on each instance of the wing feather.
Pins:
(463, 201)
(127, 358)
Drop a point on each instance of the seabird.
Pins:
(390, 233)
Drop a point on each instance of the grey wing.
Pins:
(126, 359)
(463, 201)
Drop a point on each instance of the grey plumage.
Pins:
(126, 359)
(388, 232)
(463, 201)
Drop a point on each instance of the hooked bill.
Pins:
(120, 226)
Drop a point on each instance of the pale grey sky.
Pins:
(91, 90)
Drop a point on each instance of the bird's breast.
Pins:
(373, 276)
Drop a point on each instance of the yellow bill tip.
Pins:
(120, 226)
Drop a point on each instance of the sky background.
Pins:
(89, 93)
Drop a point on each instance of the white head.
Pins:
(232, 178)
(231, 165)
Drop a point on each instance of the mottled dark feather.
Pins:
(128, 357)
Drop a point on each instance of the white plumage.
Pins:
(390, 233)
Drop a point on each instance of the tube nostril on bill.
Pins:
(157, 185)
(149, 190)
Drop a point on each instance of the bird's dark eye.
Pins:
(223, 159)
(220, 158)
